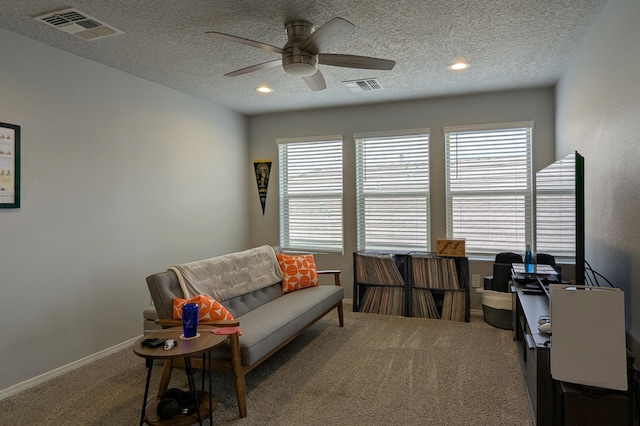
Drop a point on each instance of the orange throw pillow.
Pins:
(298, 271)
(208, 308)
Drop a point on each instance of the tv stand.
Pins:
(534, 352)
(553, 402)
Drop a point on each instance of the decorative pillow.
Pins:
(208, 308)
(299, 271)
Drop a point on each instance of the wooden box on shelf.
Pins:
(450, 247)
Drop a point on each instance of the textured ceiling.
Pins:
(508, 43)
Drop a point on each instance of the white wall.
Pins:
(598, 110)
(536, 105)
(120, 179)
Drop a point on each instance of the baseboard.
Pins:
(19, 387)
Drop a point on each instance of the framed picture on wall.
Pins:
(9, 166)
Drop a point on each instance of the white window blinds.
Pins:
(392, 191)
(311, 194)
(489, 186)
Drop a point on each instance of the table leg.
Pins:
(149, 363)
(206, 361)
(210, 392)
(192, 386)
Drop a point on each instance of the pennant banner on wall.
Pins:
(262, 169)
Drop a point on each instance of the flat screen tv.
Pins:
(559, 190)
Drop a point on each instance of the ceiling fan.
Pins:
(305, 49)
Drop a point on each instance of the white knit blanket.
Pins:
(230, 275)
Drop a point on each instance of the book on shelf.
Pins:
(377, 269)
(434, 272)
(424, 305)
(383, 300)
(453, 306)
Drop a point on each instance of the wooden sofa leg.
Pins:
(167, 369)
(336, 281)
(236, 363)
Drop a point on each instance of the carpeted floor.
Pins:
(377, 370)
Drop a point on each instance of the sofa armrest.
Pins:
(334, 272)
(218, 323)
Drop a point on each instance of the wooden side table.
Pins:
(185, 348)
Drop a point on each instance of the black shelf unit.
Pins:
(403, 265)
(383, 270)
(440, 294)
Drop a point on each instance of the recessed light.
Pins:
(264, 89)
(459, 66)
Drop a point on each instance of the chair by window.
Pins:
(547, 259)
(502, 272)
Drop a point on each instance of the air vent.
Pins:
(77, 23)
(363, 85)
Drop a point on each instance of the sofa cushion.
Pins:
(269, 325)
(240, 305)
(208, 308)
(298, 271)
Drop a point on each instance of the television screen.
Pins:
(560, 212)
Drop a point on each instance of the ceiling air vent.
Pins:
(77, 23)
(363, 85)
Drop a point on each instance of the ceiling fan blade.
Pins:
(354, 61)
(328, 33)
(253, 68)
(315, 82)
(253, 43)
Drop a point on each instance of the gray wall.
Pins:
(120, 178)
(535, 104)
(598, 110)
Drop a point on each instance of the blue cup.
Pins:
(190, 319)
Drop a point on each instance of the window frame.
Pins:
(328, 236)
(487, 249)
(393, 191)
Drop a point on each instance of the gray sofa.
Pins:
(268, 320)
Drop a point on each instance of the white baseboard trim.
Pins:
(19, 387)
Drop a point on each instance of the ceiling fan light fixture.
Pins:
(300, 69)
(264, 89)
(299, 64)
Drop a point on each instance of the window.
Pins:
(392, 191)
(311, 194)
(489, 186)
